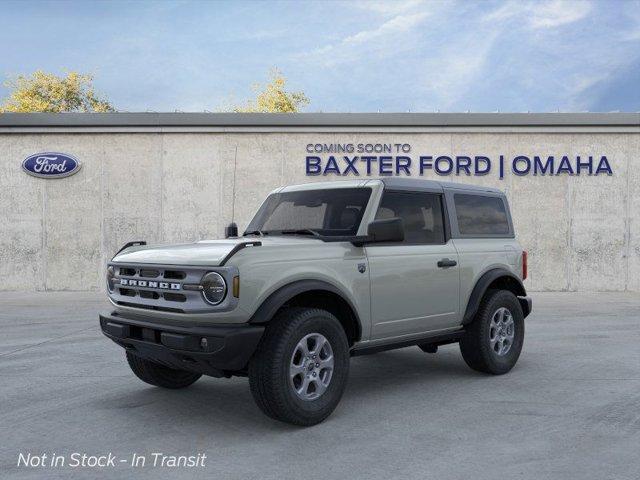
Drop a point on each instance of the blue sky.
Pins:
(390, 56)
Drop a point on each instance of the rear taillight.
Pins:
(525, 268)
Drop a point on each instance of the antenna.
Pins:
(232, 229)
(233, 198)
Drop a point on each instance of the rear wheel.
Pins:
(493, 341)
(300, 369)
(159, 375)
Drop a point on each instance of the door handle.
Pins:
(445, 262)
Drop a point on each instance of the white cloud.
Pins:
(567, 65)
(458, 67)
(507, 11)
(556, 13)
(389, 7)
(444, 74)
(449, 58)
(389, 37)
(632, 12)
(540, 15)
(399, 24)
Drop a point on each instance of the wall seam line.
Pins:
(103, 246)
(162, 173)
(45, 243)
(569, 201)
(627, 227)
(282, 159)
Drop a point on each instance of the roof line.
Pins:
(121, 119)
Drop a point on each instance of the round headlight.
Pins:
(111, 272)
(214, 288)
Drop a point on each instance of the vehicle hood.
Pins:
(205, 252)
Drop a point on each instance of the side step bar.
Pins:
(435, 340)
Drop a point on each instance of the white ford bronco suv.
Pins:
(325, 271)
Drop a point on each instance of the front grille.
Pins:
(149, 294)
(156, 287)
(174, 275)
(149, 273)
(152, 273)
(174, 297)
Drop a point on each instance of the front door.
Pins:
(414, 284)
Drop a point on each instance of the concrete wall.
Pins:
(582, 232)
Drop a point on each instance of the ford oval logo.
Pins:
(51, 165)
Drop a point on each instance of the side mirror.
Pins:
(231, 230)
(389, 230)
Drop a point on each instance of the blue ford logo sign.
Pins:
(51, 165)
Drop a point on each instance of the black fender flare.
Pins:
(277, 299)
(483, 284)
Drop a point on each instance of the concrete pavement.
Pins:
(570, 408)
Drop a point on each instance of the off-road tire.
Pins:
(159, 375)
(269, 366)
(475, 344)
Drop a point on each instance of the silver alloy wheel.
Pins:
(501, 331)
(311, 366)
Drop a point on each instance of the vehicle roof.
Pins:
(323, 185)
(392, 182)
(399, 182)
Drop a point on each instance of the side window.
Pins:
(421, 214)
(481, 215)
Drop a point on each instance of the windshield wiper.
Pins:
(260, 233)
(300, 231)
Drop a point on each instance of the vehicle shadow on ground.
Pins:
(228, 403)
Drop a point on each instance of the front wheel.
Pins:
(493, 341)
(300, 369)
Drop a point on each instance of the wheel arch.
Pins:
(314, 294)
(496, 278)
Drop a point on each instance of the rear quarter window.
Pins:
(481, 215)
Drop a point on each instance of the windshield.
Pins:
(334, 211)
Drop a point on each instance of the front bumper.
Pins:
(215, 350)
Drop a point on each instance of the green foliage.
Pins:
(47, 92)
(273, 98)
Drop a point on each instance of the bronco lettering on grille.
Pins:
(148, 284)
